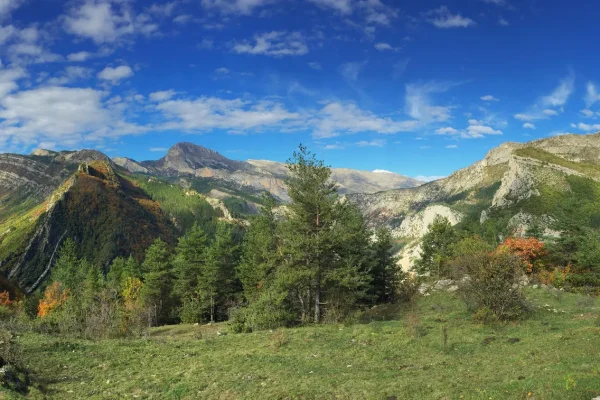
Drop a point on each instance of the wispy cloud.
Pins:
(528, 125)
(591, 96)
(442, 18)
(351, 70)
(476, 129)
(489, 97)
(546, 106)
(274, 44)
(418, 101)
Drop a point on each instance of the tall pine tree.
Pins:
(158, 283)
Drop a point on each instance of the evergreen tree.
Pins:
(324, 240)
(190, 259)
(158, 282)
(386, 274)
(259, 252)
(68, 270)
(437, 249)
(217, 283)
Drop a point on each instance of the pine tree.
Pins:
(259, 252)
(324, 240)
(190, 259)
(158, 282)
(437, 248)
(217, 282)
(68, 270)
(386, 274)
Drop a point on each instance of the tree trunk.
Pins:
(212, 309)
(318, 299)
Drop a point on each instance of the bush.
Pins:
(268, 312)
(489, 285)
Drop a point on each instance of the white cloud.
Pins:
(59, 114)
(587, 127)
(206, 44)
(351, 70)
(558, 98)
(371, 143)
(162, 95)
(159, 149)
(452, 146)
(239, 7)
(385, 47)
(115, 75)
(71, 74)
(337, 118)
(424, 178)
(79, 56)
(561, 94)
(9, 78)
(443, 18)
(528, 125)
(418, 101)
(342, 6)
(496, 2)
(7, 6)
(489, 97)
(476, 129)
(107, 22)
(382, 171)
(163, 10)
(315, 66)
(221, 71)
(6, 32)
(503, 22)
(372, 11)
(592, 96)
(237, 115)
(447, 131)
(549, 112)
(182, 19)
(275, 44)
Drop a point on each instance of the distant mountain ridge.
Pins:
(517, 186)
(260, 175)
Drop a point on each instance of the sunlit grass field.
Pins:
(394, 353)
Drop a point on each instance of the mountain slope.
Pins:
(106, 215)
(253, 176)
(548, 183)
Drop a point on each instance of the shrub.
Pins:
(529, 250)
(268, 312)
(489, 284)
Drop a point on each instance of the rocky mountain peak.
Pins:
(188, 157)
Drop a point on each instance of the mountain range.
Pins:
(117, 207)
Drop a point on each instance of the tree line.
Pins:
(311, 261)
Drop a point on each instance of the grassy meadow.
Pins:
(391, 353)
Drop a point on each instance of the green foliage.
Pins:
(539, 154)
(489, 282)
(259, 250)
(186, 210)
(385, 272)
(217, 284)
(437, 249)
(158, 282)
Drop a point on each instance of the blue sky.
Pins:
(420, 88)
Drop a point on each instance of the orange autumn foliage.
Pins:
(5, 300)
(54, 296)
(527, 249)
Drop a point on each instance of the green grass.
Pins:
(555, 357)
(532, 152)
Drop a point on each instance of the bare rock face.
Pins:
(255, 175)
(130, 165)
(508, 177)
(417, 225)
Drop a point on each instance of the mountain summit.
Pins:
(188, 159)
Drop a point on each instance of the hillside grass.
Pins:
(544, 156)
(551, 355)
